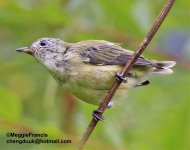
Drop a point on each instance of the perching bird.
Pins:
(87, 68)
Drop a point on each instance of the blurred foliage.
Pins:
(154, 117)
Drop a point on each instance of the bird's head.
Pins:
(45, 48)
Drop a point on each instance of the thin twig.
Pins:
(103, 105)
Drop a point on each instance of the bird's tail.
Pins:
(162, 67)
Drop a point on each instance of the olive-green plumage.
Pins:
(87, 68)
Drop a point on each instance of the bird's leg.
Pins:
(97, 116)
(120, 77)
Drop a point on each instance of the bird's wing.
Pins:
(106, 53)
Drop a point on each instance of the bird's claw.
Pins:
(120, 77)
(97, 116)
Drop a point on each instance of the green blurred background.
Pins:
(155, 117)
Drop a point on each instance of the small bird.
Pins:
(87, 68)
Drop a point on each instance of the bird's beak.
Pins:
(25, 50)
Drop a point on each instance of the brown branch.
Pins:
(103, 105)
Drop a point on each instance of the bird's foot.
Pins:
(97, 115)
(120, 77)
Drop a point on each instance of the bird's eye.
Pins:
(43, 43)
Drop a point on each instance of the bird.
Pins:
(87, 68)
